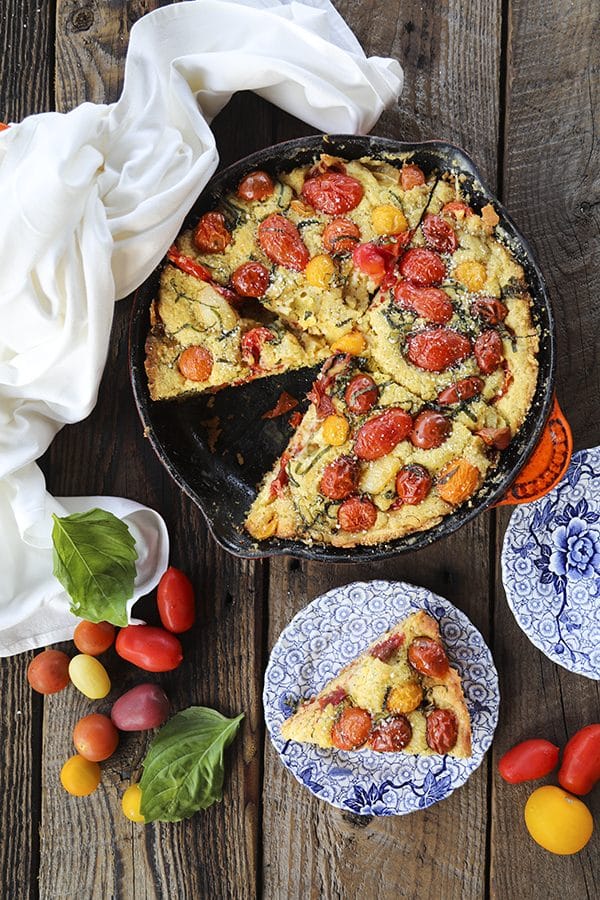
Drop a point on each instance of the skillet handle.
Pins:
(548, 463)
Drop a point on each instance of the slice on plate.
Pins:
(400, 695)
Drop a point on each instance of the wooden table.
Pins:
(516, 83)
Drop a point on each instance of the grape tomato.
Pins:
(175, 600)
(149, 648)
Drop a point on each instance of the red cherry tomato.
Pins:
(428, 657)
(357, 514)
(251, 279)
(149, 648)
(438, 234)
(489, 309)
(256, 186)
(411, 176)
(351, 729)
(391, 735)
(252, 344)
(281, 241)
(436, 349)
(369, 260)
(457, 206)
(340, 478)
(341, 236)
(175, 601)
(580, 768)
(48, 672)
(430, 430)
(333, 193)
(94, 638)
(95, 737)
(442, 730)
(413, 483)
(528, 760)
(195, 363)
(464, 389)
(498, 438)
(423, 267)
(211, 234)
(430, 303)
(361, 395)
(380, 434)
(488, 351)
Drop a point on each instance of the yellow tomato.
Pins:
(472, 274)
(558, 821)
(353, 343)
(388, 219)
(89, 676)
(80, 776)
(335, 430)
(131, 802)
(319, 270)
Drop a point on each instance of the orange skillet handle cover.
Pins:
(548, 463)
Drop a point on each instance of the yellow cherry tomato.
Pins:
(89, 676)
(353, 343)
(131, 802)
(558, 821)
(388, 219)
(335, 430)
(80, 776)
(319, 270)
(472, 274)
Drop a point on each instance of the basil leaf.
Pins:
(183, 769)
(94, 560)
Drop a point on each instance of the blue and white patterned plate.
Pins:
(551, 568)
(329, 633)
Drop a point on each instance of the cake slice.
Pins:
(400, 695)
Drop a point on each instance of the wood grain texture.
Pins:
(26, 34)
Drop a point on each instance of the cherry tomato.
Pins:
(430, 430)
(423, 267)
(281, 241)
(580, 768)
(489, 351)
(498, 438)
(351, 729)
(334, 698)
(384, 650)
(430, 303)
(391, 735)
(489, 309)
(89, 676)
(361, 395)
(557, 821)
(357, 514)
(195, 363)
(252, 343)
(369, 260)
(457, 480)
(256, 186)
(211, 234)
(341, 236)
(251, 279)
(144, 706)
(436, 349)
(149, 648)
(379, 435)
(457, 206)
(175, 601)
(413, 483)
(131, 803)
(442, 730)
(333, 193)
(80, 776)
(411, 176)
(95, 737)
(48, 672)
(94, 638)
(428, 657)
(438, 234)
(465, 389)
(340, 478)
(528, 760)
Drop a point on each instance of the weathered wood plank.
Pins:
(449, 53)
(26, 34)
(551, 159)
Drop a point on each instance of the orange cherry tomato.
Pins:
(95, 737)
(175, 600)
(80, 776)
(351, 729)
(195, 363)
(94, 638)
(411, 176)
(48, 672)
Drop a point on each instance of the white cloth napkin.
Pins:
(90, 202)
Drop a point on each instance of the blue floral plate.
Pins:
(551, 568)
(329, 633)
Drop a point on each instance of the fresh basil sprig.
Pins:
(94, 560)
(183, 769)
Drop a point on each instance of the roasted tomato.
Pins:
(195, 363)
(361, 395)
(379, 435)
(256, 186)
(580, 769)
(489, 309)
(423, 267)
(386, 649)
(413, 483)
(211, 234)
(370, 260)
(442, 730)
(489, 351)
(498, 438)
(456, 208)
(252, 344)
(428, 657)
(333, 193)
(251, 279)
(351, 729)
(341, 236)
(340, 478)
(430, 430)
(430, 303)
(528, 760)
(411, 176)
(457, 480)
(391, 735)
(438, 234)
(465, 389)
(437, 349)
(280, 240)
(149, 648)
(357, 514)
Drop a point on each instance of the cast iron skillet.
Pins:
(223, 483)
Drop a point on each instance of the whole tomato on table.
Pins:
(580, 768)
(149, 648)
(175, 600)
